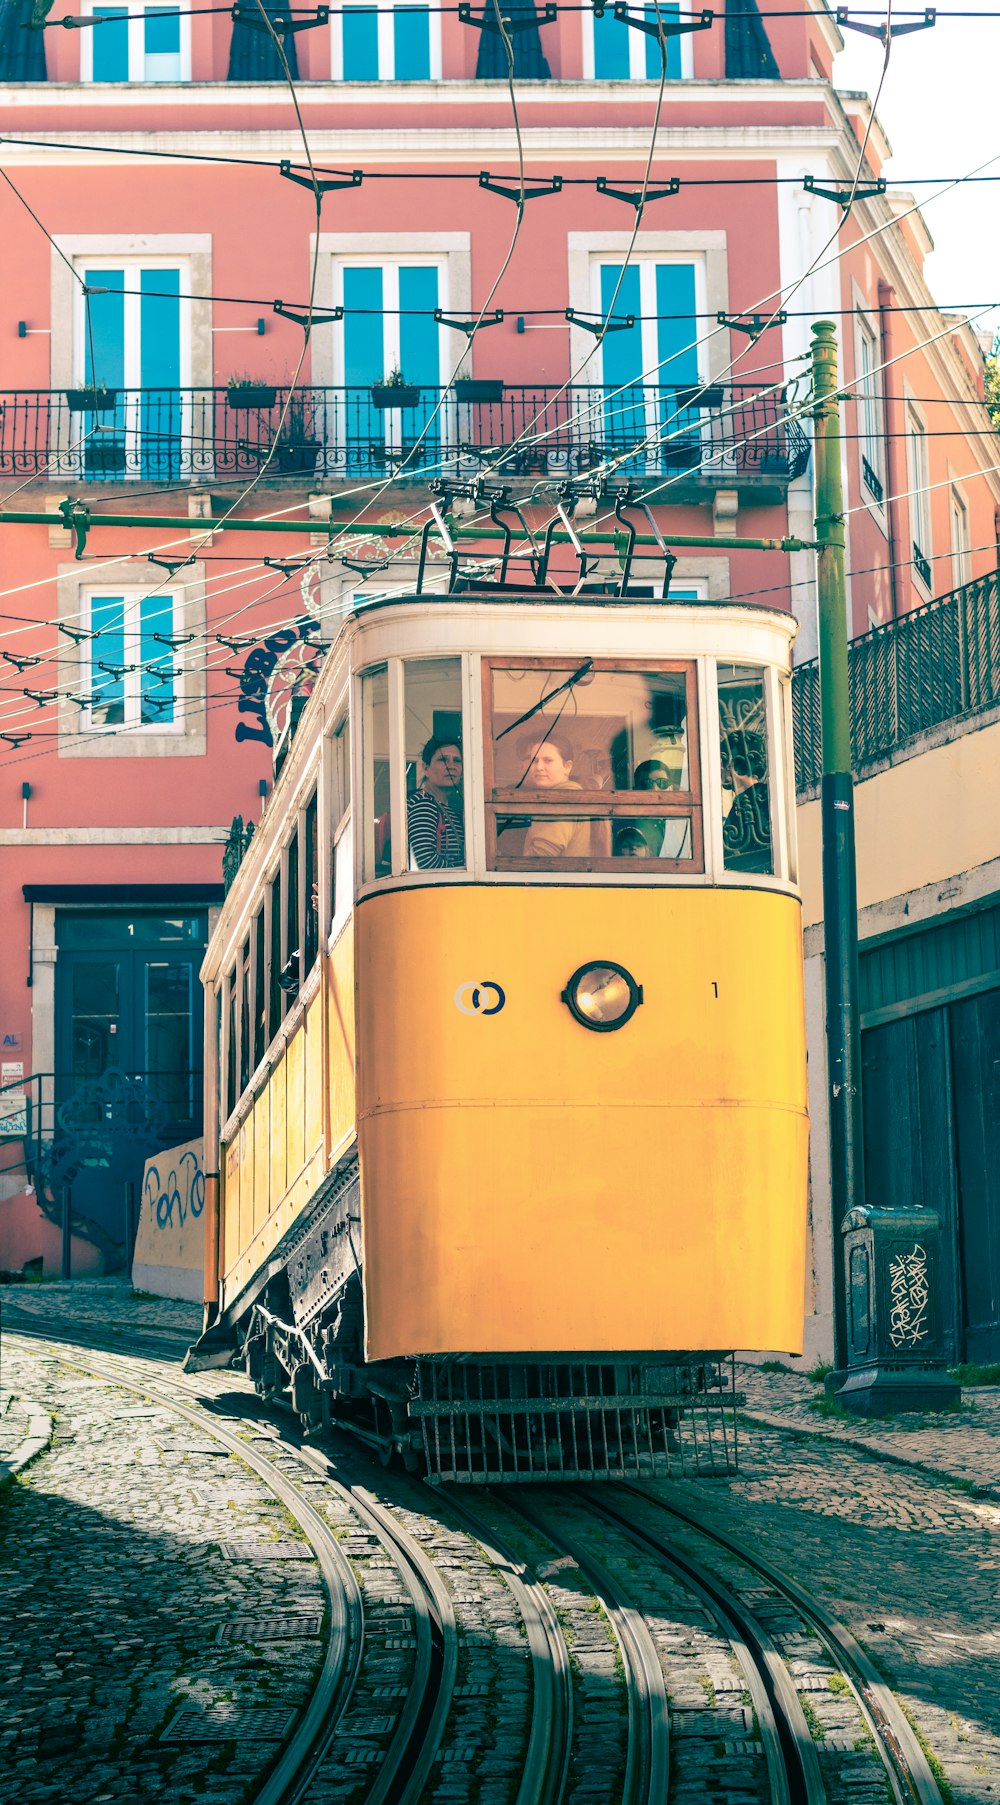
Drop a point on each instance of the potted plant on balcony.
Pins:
(92, 398)
(478, 388)
(245, 392)
(297, 447)
(394, 391)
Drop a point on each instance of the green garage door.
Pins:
(930, 1050)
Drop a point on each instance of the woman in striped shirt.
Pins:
(435, 815)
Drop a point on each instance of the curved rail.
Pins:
(647, 1766)
(407, 1765)
(906, 1765)
(405, 1769)
(789, 1751)
(546, 1764)
(317, 1724)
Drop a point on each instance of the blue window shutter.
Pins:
(653, 64)
(359, 28)
(104, 330)
(156, 697)
(163, 32)
(419, 342)
(107, 692)
(160, 328)
(160, 371)
(611, 49)
(675, 296)
(412, 40)
(110, 52)
(364, 345)
(621, 357)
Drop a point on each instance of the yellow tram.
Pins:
(505, 1052)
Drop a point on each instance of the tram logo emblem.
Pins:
(484, 998)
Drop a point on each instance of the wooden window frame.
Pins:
(596, 804)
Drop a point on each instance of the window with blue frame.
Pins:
(649, 368)
(386, 41)
(150, 43)
(129, 341)
(621, 52)
(390, 360)
(129, 677)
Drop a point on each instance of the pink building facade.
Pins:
(152, 364)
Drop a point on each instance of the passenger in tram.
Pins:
(668, 836)
(631, 843)
(550, 773)
(746, 831)
(435, 812)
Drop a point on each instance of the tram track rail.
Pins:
(406, 1763)
(794, 1775)
(903, 1760)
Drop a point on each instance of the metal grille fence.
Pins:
(934, 665)
(535, 1423)
(717, 434)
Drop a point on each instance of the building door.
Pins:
(650, 367)
(930, 1049)
(389, 332)
(128, 1000)
(129, 337)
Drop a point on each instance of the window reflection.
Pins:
(746, 826)
(376, 803)
(614, 744)
(435, 806)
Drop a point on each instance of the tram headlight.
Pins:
(602, 995)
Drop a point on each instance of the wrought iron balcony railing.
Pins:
(929, 667)
(689, 438)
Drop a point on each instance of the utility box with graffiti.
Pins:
(895, 1345)
(169, 1254)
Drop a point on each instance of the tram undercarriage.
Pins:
(298, 1330)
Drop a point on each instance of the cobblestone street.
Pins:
(144, 1570)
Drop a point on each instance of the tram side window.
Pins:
(746, 824)
(312, 883)
(376, 807)
(231, 1091)
(593, 765)
(244, 971)
(340, 874)
(274, 971)
(259, 994)
(435, 806)
(291, 971)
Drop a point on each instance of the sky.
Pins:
(939, 110)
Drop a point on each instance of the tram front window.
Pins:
(435, 803)
(746, 825)
(592, 766)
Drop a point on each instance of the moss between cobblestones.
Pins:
(816, 1729)
(929, 1756)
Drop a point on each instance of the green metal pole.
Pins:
(840, 898)
(85, 521)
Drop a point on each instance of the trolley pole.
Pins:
(840, 896)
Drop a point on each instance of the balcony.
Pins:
(686, 442)
(928, 668)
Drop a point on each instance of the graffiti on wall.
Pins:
(171, 1197)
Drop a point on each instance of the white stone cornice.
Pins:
(112, 836)
(601, 143)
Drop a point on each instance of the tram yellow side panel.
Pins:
(230, 1168)
(276, 1095)
(340, 1036)
(295, 1105)
(531, 1186)
(260, 1126)
(314, 1074)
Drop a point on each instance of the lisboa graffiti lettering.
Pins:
(286, 662)
(182, 1194)
(909, 1294)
